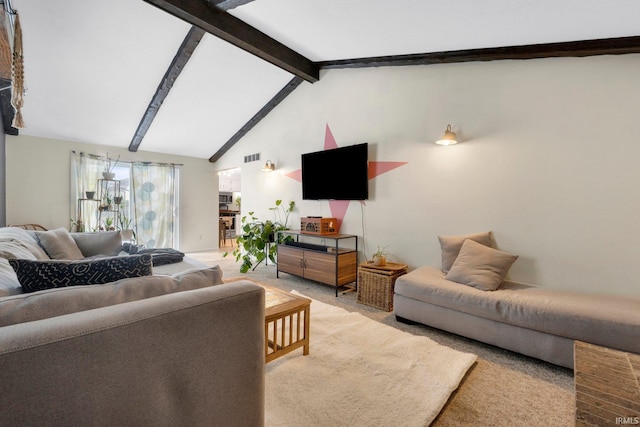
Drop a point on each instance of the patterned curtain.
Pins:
(85, 171)
(154, 199)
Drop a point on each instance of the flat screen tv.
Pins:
(336, 174)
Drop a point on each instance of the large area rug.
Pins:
(361, 373)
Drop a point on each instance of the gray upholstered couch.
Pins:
(179, 349)
(526, 319)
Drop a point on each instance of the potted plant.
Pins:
(79, 227)
(105, 199)
(126, 226)
(108, 168)
(380, 257)
(258, 242)
(108, 224)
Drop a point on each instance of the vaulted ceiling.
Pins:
(191, 77)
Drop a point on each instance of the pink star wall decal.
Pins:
(339, 207)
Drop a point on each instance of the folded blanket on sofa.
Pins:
(162, 256)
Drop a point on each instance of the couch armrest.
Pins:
(189, 358)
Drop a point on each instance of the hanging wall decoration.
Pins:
(18, 75)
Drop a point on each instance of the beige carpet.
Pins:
(502, 389)
(361, 373)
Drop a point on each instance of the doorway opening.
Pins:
(229, 206)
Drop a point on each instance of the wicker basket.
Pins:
(375, 287)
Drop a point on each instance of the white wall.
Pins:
(548, 161)
(38, 186)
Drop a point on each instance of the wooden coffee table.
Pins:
(286, 326)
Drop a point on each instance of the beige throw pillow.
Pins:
(451, 245)
(107, 243)
(59, 244)
(480, 266)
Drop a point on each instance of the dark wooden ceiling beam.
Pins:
(613, 46)
(228, 4)
(181, 58)
(277, 99)
(231, 29)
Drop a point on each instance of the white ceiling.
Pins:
(92, 67)
(325, 30)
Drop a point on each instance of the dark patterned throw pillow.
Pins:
(40, 275)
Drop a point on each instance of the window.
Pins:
(149, 199)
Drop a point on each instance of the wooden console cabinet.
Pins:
(320, 258)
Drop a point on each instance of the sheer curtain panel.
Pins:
(85, 171)
(154, 195)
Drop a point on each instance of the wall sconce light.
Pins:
(449, 137)
(269, 166)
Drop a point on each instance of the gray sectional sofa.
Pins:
(534, 321)
(174, 349)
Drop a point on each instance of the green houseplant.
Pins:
(126, 226)
(257, 241)
(108, 224)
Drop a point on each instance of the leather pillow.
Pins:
(39, 275)
(451, 245)
(480, 266)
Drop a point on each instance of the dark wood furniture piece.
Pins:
(330, 259)
(36, 227)
(222, 232)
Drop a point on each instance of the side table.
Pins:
(376, 283)
(287, 323)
